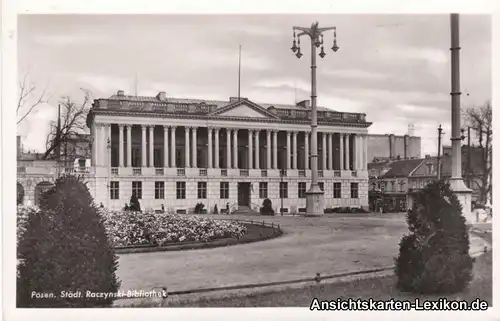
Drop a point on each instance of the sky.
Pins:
(394, 68)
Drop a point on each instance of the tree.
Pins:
(27, 93)
(434, 258)
(65, 247)
(480, 121)
(135, 206)
(72, 122)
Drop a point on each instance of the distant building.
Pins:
(392, 147)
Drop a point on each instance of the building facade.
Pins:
(179, 152)
(391, 147)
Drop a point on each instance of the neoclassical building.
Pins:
(179, 152)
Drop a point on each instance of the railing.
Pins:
(263, 173)
(114, 170)
(137, 171)
(223, 172)
(336, 174)
(244, 172)
(320, 173)
(159, 171)
(302, 173)
(354, 174)
(181, 172)
(203, 172)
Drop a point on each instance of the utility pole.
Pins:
(468, 157)
(440, 132)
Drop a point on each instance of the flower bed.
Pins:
(148, 228)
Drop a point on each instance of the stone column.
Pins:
(275, 149)
(173, 152)
(365, 152)
(217, 147)
(210, 156)
(306, 150)
(144, 157)
(295, 151)
(354, 151)
(235, 148)
(165, 146)
(268, 151)
(250, 149)
(129, 145)
(120, 145)
(187, 162)
(228, 147)
(194, 161)
(323, 153)
(152, 146)
(330, 151)
(341, 152)
(288, 150)
(347, 161)
(257, 149)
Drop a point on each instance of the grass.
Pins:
(382, 288)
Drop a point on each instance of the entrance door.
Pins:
(244, 194)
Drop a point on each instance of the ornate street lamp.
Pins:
(314, 196)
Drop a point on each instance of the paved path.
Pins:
(330, 244)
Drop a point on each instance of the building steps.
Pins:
(244, 210)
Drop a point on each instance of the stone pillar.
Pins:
(228, 146)
(354, 151)
(194, 161)
(341, 152)
(250, 149)
(330, 151)
(165, 146)
(217, 147)
(257, 149)
(210, 156)
(144, 157)
(275, 149)
(120, 145)
(323, 153)
(152, 146)
(295, 153)
(129, 145)
(288, 150)
(268, 151)
(108, 147)
(365, 152)
(173, 152)
(306, 150)
(235, 148)
(347, 149)
(187, 162)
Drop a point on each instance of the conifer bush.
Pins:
(135, 206)
(65, 248)
(267, 207)
(434, 258)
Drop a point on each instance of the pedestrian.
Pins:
(227, 208)
(101, 206)
(126, 207)
(162, 208)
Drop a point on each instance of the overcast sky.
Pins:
(394, 68)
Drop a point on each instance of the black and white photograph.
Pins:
(324, 161)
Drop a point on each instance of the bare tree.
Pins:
(27, 91)
(480, 121)
(72, 123)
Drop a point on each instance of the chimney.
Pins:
(392, 147)
(19, 147)
(161, 96)
(305, 104)
(120, 93)
(234, 99)
(406, 143)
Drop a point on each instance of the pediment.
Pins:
(244, 108)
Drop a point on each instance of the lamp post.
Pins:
(108, 184)
(440, 132)
(314, 196)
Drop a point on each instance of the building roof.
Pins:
(394, 168)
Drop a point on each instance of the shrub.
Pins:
(329, 210)
(135, 206)
(198, 209)
(65, 248)
(434, 257)
(267, 207)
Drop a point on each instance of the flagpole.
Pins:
(239, 74)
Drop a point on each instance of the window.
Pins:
(137, 189)
(321, 186)
(402, 186)
(382, 186)
(202, 190)
(283, 189)
(337, 190)
(263, 190)
(159, 190)
(136, 157)
(302, 190)
(224, 190)
(354, 190)
(157, 157)
(181, 190)
(114, 190)
(374, 186)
